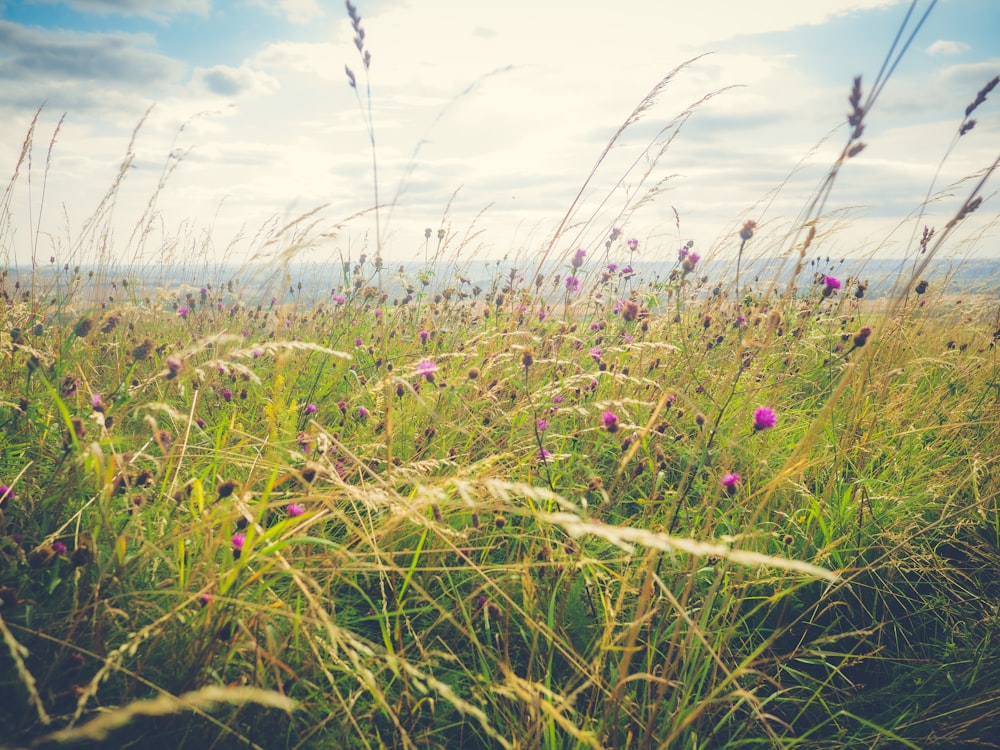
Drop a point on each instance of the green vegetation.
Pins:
(565, 508)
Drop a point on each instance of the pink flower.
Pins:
(578, 258)
(610, 421)
(764, 418)
(238, 541)
(729, 482)
(427, 368)
(294, 510)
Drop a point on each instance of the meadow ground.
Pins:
(566, 505)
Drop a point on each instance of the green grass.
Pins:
(496, 517)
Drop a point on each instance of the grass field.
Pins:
(566, 506)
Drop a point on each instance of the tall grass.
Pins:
(563, 506)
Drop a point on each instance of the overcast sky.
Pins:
(489, 117)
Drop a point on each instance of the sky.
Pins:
(489, 119)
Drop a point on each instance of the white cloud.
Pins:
(159, 10)
(224, 80)
(948, 47)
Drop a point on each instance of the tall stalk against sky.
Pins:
(366, 112)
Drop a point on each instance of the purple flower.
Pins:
(200, 422)
(363, 413)
(427, 368)
(339, 299)
(542, 425)
(578, 257)
(557, 399)
(691, 258)
(633, 244)
(541, 315)
(596, 353)
(238, 541)
(227, 395)
(764, 418)
(627, 271)
(610, 421)
(294, 510)
(729, 482)
(572, 283)
(183, 311)
(58, 547)
(359, 342)
(612, 267)
(543, 455)
(830, 285)
(615, 233)
(310, 408)
(424, 335)
(6, 493)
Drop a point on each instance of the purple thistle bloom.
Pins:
(6, 493)
(227, 395)
(832, 282)
(427, 368)
(310, 408)
(183, 311)
(58, 547)
(615, 233)
(729, 482)
(238, 541)
(572, 283)
(633, 244)
(339, 299)
(424, 335)
(596, 353)
(294, 510)
(764, 418)
(610, 421)
(543, 455)
(578, 257)
(542, 425)
(612, 267)
(363, 413)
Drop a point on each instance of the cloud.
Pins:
(64, 56)
(224, 80)
(159, 10)
(948, 47)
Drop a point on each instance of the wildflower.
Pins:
(764, 418)
(238, 541)
(427, 368)
(830, 285)
(633, 244)
(338, 299)
(200, 422)
(541, 315)
(173, 367)
(424, 335)
(572, 283)
(310, 408)
(183, 311)
(747, 231)
(627, 271)
(689, 262)
(610, 420)
(861, 337)
(542, 425)
(921, 287)
(6, 493)
(227, 395)
(97, 403)
(543, 455)
(363, 413)
(578, 257)
(615, 233)
(527, 358)
(358, 342)
(729, 482)
(342, 405)
(294, 510)
(58, 547)
(595, 353)
(612, 267)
